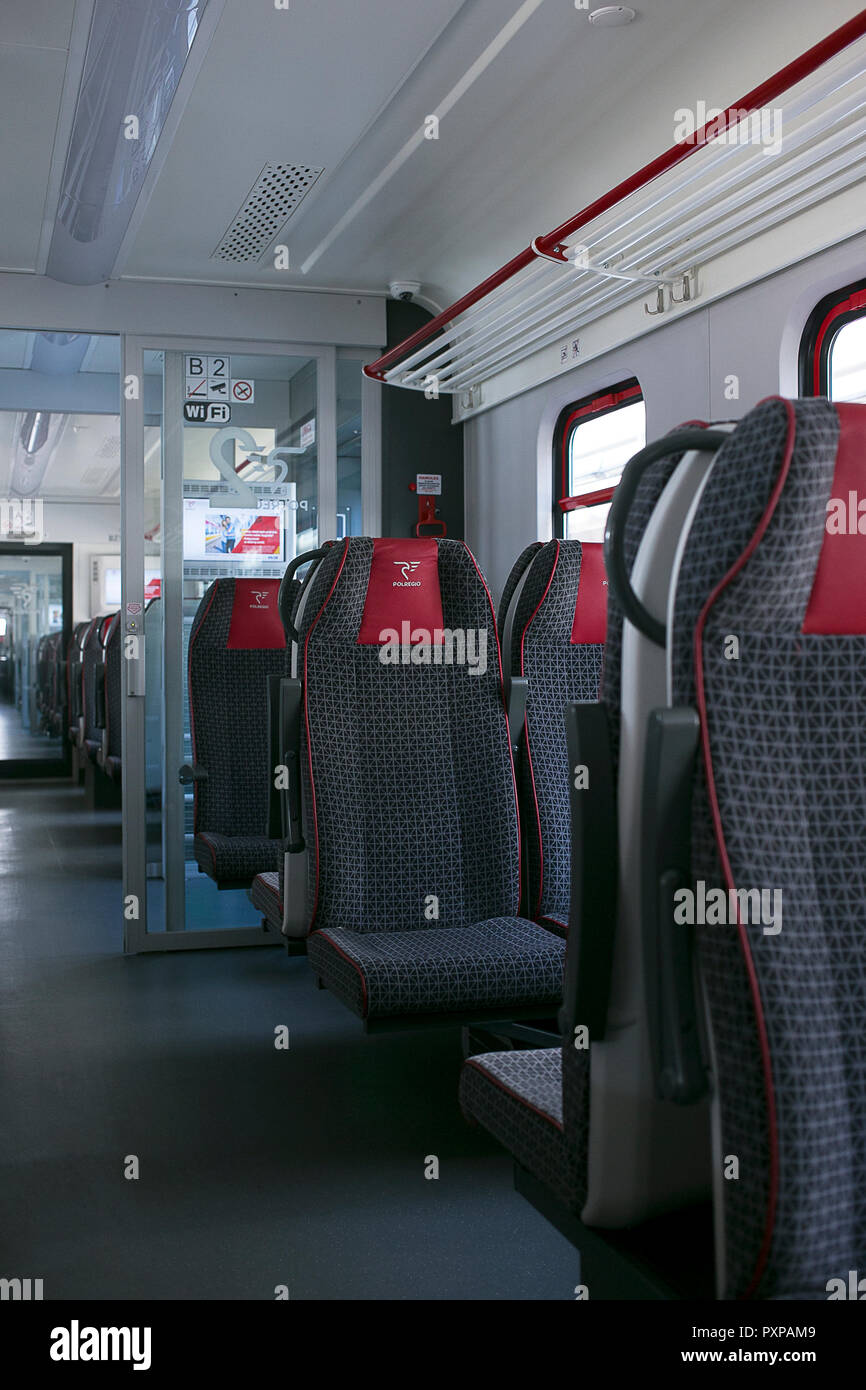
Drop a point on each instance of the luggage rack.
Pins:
(789, 144)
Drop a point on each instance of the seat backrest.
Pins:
(236, 642)
(113, 689)
(55, 683)
(410, 814)
(769, 646)
(92, 672)
(153, 694)
(42, 672)
(74, 654)
(552, 624)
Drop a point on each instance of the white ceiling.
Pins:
(561, 112)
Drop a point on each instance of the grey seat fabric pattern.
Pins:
(92, 673)
(507, 961)
(234, 859)
(780, 804)
(410, 814)
(228, 699)
(113, 764)
(518, 1097)
(74, 678)
(265, 895)
(558, 670)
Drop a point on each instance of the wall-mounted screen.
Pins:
(232, 533)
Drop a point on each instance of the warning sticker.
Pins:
(429, 483)
(243, 391)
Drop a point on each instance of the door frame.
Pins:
(38, 769)
(136, 937)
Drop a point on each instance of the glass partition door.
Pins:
(232, 463)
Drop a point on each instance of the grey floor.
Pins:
(258, 1168)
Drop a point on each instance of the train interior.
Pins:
(433, 654)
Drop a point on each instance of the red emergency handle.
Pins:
(428, 523)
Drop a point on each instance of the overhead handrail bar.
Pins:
(812, 176)
(475, 331)
(555, 243)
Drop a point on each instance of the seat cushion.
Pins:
(265, 895)
(504, 961)
(517, 1096)
(236, 858)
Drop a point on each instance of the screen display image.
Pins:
(229, 533)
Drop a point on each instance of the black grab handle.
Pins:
(619, 579)
(284, 599)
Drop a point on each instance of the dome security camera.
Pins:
(404, 289)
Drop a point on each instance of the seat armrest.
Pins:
(290, 709)
(99, 696)
(594, 869)
(671, 749)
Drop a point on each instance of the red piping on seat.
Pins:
(515, 1095)
(723, 852)
(340, 952)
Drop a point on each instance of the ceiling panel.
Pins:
(36, 23)
(31, 81)
(284, 87)
(561, 114)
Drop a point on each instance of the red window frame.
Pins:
(603, 403)
(825, 323)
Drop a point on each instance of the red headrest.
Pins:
(403, 588)
(255, 621)
(590, 610)
(837, 603)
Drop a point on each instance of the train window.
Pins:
(833, 349)
(847, 371)
(594, 440)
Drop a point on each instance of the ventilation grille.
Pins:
(273, 198)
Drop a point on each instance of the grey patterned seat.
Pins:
(74, 692)
(93, 687)
(779, 805)
(491, 965)
(112, 762)
(266, 895)
(237, 641)
(410, 817)
(518, 1097)
(552, 623)
(764, 711)
(593, 1176)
